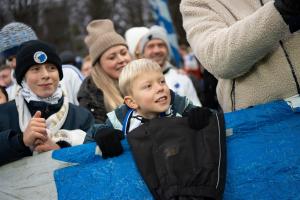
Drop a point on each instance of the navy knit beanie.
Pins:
(35, 52)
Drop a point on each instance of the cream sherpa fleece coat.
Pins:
(239, 40)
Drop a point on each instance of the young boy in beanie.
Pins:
(12, 36)
(41, 117)
(146, 96)
(33, 53)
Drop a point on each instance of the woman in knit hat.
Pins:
(41, 117)
(109, 54)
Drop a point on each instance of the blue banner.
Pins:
(162, 17)
(263, 162)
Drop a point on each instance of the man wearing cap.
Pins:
(12, 36)
(154, 45)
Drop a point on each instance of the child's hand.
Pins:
(45, 146)
(198, 117)
(35, 130)
(108, 140)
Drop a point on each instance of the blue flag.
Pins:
(162, 17)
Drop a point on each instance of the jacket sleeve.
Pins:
(88, 125)
(12, 147)
(92, 99)
(181, 104)
(71, 82)
(88, 122)
(90, 134)
(83, 96)
(192, 94)
(228, 49)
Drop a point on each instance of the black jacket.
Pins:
(180, 163)
(90, 97)
(11, 144)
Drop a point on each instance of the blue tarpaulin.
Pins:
(263, 159)
(263, 153)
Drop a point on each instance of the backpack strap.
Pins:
(126, 121)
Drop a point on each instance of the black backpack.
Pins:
(178, 162)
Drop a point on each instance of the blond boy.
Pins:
(146, 96)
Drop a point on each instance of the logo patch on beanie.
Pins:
(40, 57)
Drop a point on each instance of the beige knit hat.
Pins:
(101, 36)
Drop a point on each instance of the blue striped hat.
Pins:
(12, 36)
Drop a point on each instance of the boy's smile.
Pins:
(162, 99)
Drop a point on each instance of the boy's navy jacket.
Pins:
(10, 146)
